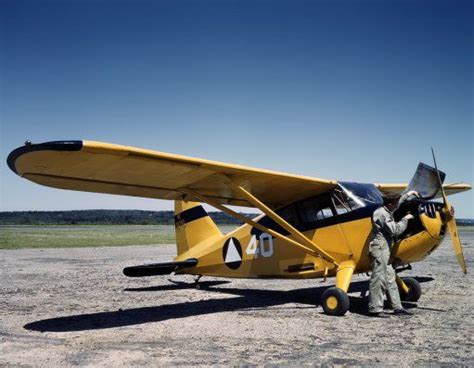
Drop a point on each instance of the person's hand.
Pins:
(409, 217)
(413, 193)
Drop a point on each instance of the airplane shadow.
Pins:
(177, 285)
(246, 299)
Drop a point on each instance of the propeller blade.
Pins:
(449, 215)
(453, 232)
(440, 182)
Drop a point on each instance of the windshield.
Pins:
(361, 194)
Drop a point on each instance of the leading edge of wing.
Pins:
(120, 150)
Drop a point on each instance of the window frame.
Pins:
(326, 196)
(301, 223)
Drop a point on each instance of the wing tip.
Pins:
(458, 187)
(72, 145)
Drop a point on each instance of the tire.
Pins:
(414, 290)
(335, 302)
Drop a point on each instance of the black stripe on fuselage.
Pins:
(189, 215)
(48, 146)
(357, 214)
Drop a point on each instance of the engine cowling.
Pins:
(431, 218)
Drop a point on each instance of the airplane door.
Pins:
(318, 214)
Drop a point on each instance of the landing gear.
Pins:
(195, 283)
(335, 301)
(411, 290)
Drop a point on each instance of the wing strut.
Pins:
(309, 248)
(278, 219)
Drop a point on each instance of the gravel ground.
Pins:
(67, 307)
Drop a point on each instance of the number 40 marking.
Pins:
(266, 246)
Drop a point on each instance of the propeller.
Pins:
(448, 211)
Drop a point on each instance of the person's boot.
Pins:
(377, 315)
(402, 312)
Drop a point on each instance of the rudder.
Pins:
(192, 225)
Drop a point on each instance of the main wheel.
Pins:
(335, 302)
(414, 290)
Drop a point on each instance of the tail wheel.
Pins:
(335, 302)
(414, 290)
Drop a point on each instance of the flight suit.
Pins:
(383, 275)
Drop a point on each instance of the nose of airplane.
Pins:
(431, 218)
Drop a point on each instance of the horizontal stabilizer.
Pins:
(155, 269)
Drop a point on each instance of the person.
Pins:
(383, 278)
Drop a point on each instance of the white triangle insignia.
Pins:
(232, 253)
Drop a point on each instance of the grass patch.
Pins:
(466, 229)
(67, 236)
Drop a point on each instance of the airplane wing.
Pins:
(397, 189)
(109, 168)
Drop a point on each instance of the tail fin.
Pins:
(193, 225)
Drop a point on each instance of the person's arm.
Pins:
(395, 228)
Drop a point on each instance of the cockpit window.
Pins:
(315, 209)
(362, 194)
(323, 209)
(348, 197)
(289, 214)
(344, 203)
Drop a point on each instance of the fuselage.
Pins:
(338, 221)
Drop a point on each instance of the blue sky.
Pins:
(350, 90)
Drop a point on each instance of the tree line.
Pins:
(103, 217)
(118, 217)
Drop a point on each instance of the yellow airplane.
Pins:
(309, 228)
